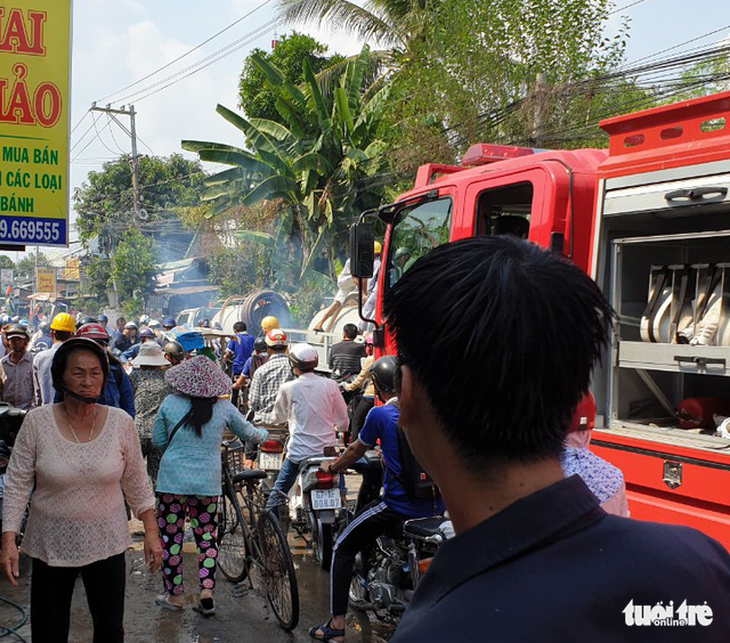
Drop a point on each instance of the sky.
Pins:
(118, 42)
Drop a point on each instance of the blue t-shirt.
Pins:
(381, 424)
(241, 350)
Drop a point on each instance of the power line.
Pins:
(216, 56)
(632, 4)
(187, 53)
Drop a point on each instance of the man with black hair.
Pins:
(345, 356)
(535, 557)
(239, 350)
(378, 517)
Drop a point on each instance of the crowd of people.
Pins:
(496, 410)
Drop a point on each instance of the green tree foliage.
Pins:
(325, 163)
(133, 268)
(104, 203)
(26, 266)
(6, 262)
(256, 97)
(481, 63)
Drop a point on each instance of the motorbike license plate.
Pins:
(326, 499)
(269, 461)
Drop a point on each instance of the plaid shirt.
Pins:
(267, 381)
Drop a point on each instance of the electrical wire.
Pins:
(211, 59)
(632, 4)
(5, 631)
(187, 53)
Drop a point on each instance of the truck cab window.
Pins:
(416, 231)
(505, 210)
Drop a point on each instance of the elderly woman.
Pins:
(189, 428)
(150, 390)
(84, 459)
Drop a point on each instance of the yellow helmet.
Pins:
(269, 323)
(377, 247)
(63, 322)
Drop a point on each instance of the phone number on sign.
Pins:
(30, 230)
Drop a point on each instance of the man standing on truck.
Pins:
(535, 558)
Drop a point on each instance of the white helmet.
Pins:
(303, 356)
(144, 320)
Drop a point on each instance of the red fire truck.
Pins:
(649, 219)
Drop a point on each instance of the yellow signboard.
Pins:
(45, 280)
(71, 270)
(35, 40)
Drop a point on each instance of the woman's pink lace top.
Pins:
(77, 512)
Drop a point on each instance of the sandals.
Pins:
(163, 601)
(206, 607)
(328, 634)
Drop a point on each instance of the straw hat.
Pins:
(150, 354)
(198, 377)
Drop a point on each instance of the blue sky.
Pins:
(116, 42)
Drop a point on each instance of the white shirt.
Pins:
(42, 380)
(311, 406)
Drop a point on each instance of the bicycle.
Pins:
(250, 538)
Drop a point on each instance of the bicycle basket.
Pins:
(235, 455)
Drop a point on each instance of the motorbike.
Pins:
(314, 504)
(10, 420)
(387, 572)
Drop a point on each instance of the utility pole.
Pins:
(132, 133)
(539, 108)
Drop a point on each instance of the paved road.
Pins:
(237, 619)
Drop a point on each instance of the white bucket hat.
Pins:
(150, 354)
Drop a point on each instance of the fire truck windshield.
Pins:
(415, 231)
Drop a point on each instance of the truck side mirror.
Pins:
(362, 254)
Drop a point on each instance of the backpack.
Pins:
(414, 478)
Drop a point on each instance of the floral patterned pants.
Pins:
(171, 512)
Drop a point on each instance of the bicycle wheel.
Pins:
(233, 549)
(278, 571)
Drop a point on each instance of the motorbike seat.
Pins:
(423, 527)
(250, 474)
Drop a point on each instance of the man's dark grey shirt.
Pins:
(554, 567)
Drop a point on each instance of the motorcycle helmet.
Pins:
(130, 325)
(64, 323)
(276, 338)
(259, 345)
(17, 330)
(155, 325)
(303, 356)
(146, 333)
(144, 320)
(174, 351)
(86, 319)
(44, 327)
(269, 323)
(61, 358)
(377, 248)
(103, 320)
(94, 331)
(383, 373)
(168, 323)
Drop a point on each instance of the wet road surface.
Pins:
(237, 619)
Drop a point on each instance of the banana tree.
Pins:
(326, 162)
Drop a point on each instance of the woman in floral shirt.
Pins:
(150, 389)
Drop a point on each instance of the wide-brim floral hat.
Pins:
(198, 377)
